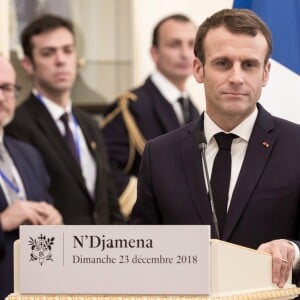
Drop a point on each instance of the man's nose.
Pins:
(187, 50)
(60, 57)
(236, 75)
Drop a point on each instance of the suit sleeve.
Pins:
(45, 179)
(40, 180)
(145, 210)
(115, 214)
(19, 128)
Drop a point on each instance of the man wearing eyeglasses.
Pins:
(24, 182)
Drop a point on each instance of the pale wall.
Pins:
(4, 28)
(146, 13)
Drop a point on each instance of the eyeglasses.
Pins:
(10, 90)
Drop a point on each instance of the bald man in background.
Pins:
(24, 182)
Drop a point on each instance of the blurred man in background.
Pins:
(68, 139)
(24, 183)
(160, 105)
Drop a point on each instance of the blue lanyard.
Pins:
(12, 185)
(76, 128)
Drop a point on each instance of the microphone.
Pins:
(202, 143)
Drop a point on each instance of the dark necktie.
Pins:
(69, 136)
(220, 177)
(184, 103)
(6, 166)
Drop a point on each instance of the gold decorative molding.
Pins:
(287, 293)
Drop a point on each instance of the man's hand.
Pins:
(50, 215)
(283, 254)
(29, 212)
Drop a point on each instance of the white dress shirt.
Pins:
(87, 163)
(170, 92)
(238, 147)
(238, 152)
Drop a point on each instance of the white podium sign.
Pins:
(114, 260)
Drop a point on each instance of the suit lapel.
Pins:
(259, 149)
(193, 171)
(21, 165)
(23, 170)
(164, 110)
(93, 146)
(48, 127)
(194, 113)
(91, 143)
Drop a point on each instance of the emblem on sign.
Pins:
(41, 248)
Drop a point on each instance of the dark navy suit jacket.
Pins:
(36, 182)
(265, 204)
(34, 124)
(154, 116)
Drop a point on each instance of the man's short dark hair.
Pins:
(42, 24)
(175, 17)
(242, 21)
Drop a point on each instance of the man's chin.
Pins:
(5, 121)
(184, 75)
(63, 86)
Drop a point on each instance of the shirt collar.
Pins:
(243, 130)
(55, 110)
(1, 137)
(167, 88)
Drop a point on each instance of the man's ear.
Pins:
(154, 53)
(266, 73)
(27, 65)
(198, 70)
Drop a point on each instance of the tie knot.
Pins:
(224, 140)
(181, 100)
(65, 118)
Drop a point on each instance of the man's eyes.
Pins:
(49, 52)
(244, 65)
(250, 64)
(69, 49)
(222, 63)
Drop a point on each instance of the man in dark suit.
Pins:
(24, 183)
(68, 139)
(153, 108)
(262, 199)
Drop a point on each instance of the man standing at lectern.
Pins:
(252, 156)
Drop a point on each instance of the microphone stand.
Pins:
(210, 195)
(201, 141)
